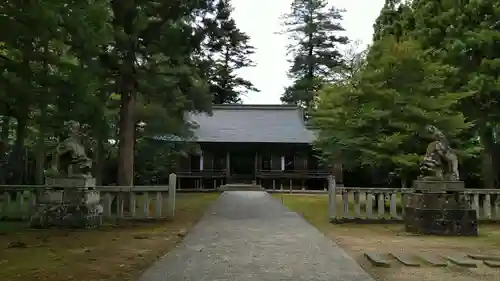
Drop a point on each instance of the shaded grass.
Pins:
(357, 239)
(7, 227)
(302, 203)
(14, 208)
(116, 251)
(314, 208)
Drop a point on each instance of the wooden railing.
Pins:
(144, 202)
(386, 204)
(202, 174)
(118, 202)
(292, 173)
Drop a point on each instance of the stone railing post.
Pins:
(172, 181)
(332, 197)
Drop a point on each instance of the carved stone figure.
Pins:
(440, 161)
(69, 159)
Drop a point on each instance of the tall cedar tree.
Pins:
(227, 50)
(139, 74)
(152, 50)
(29, 63)
(315, 31)
(391, 20)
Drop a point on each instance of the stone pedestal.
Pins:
(440, 208)
(68, 203)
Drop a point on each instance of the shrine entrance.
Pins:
(242, 166)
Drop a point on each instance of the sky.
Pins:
(260, 19)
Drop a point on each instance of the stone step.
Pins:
(462, 261)
(493, 264)
(489, 257)
(377, 259)
(241, 187)
(433, 259)
(406, 259)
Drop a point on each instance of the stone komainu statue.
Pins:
(440, 161)
(69, 159)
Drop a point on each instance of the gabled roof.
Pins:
(252, 123)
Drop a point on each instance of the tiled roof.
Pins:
(252, 123)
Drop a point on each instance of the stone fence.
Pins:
(118, 202)
(375, 205)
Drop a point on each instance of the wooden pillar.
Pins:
(172, 180)
(332, 197)
(228, 166)
(201, 161)
(256, 167)
(338, 173)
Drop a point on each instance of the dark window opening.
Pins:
(313, 163)
(220, 162)
(184, 163)
(194, 162)
(208, 161)
(289, 162)
(266, 162)
(300, 162)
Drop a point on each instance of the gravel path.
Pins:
(251, 236)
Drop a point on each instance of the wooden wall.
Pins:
(214, 158)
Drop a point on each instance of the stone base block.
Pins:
(87, 182)
(440, 208)
(68, 208)
(75, 196)
(453, 200)
(438, 186)
(66, 216)
(448, 222)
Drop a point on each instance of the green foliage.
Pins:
(379, 120)
(227, 49)
(431, 62)
(392, 21)
(315, 31)
(126, 70)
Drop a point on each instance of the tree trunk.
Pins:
(102, 136)
(99, 159)
(42, 124)
(4, 142)
(125, 175)
(19, 153)
(40, 147)
(488, 169)
(4, 135)
(404, 182)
